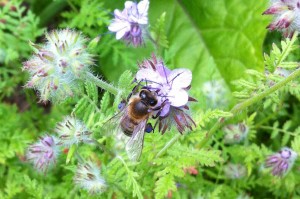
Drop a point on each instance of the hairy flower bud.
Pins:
(43, 153)
(235, 171)
(235, 133)
(282, 161)
(72, 131)
(129, 23)
(59, 66)
(286, 16)
(88, 177)
(215, 93)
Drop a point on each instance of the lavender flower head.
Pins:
(72, 131)
(286, 16)
(129, 23)
(59, 66)
(43, 153)
(88, 177)
(282, 161)
(172, 88)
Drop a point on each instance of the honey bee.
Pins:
(134, 117)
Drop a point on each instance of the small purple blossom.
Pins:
(172, 88)
(282, 161)
(43, 153)
(286, 16)
(129, 23)
(88, 177)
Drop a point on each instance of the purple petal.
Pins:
(165, 111)
(180, 78)
(148, 74)
(178, 98)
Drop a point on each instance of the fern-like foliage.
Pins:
(277, 68)
(17, 26)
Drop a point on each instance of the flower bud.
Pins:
(215, 93)
(282, 161)
(88, 177)
(43, 153)
(72, 131)
(235, 133)
(59, 66)
(235, 171)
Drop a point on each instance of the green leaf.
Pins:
(71, 152)
(216, 36)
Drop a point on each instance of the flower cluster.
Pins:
(88, 177)
(59, 66)
(129, 23)
(282, 161)
(43, 153)
(235, 133)
(171, 87)
(72, 131)
(286, 16)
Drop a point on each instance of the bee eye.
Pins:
(152, 102)
(142, 95)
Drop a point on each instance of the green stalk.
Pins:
(51, 10)
(102, 84)
(235, 110)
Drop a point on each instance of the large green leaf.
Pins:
(215, 38)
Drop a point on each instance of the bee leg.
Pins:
(149, 128)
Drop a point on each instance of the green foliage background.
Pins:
(216, 39)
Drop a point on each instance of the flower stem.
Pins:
(102, 84)
(235, 110)
(51, 10)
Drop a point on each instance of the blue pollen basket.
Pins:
(148, 128)
(121, 105)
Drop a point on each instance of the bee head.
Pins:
(148, 97)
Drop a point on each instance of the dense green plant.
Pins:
(247, 114)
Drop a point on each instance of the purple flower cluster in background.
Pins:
(282, 161)
(129, 23)
(286, 16)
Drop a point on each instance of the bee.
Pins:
(134, 117)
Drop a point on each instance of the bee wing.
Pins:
(135, 144)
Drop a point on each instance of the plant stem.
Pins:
(102, 84)
(51, 10)
(72, 6)
(277, 129)
(235, 110)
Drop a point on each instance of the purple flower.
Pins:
(171, 87)
(282, 161)
(286, 16)
(88, 177)
(128, 24)
(44, 153)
